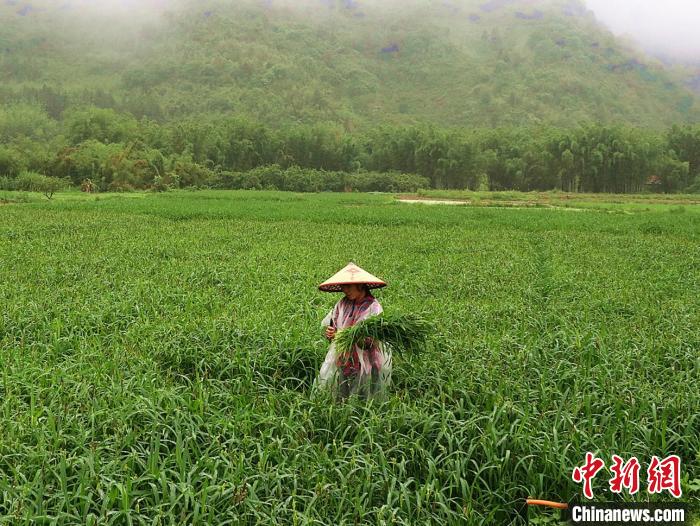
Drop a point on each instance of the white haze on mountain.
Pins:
(665, 28)
(668, 29)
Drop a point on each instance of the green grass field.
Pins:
(157, 354)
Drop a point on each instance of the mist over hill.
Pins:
(351, 62)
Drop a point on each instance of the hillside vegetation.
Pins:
(468, 63)
(490, 95)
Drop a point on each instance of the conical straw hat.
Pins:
(349, 275)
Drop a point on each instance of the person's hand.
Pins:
(330, 333)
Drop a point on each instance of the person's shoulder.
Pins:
(341, 302)
(375, 305)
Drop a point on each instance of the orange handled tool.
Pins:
(551, 504)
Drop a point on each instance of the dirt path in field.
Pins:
(544, 202)
(427, 201)
(485, 203)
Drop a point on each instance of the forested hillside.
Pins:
(475, 93)
(470, 63)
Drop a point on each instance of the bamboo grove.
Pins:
(118, 152)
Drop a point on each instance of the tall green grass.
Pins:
(403, 332)
(157, 357)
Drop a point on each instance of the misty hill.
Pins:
(455, 63)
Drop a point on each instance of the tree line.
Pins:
(117, 152)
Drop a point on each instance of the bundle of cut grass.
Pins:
(403, 332)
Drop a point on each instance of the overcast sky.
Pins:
(671, 26)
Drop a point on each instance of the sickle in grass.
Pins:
(551, 504)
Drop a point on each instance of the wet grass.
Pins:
(157, 356)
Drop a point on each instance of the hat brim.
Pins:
(336, 287)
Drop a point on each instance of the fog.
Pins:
(665, 27)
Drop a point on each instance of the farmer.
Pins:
(367, 371)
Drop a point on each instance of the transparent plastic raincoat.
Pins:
(367, 372)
